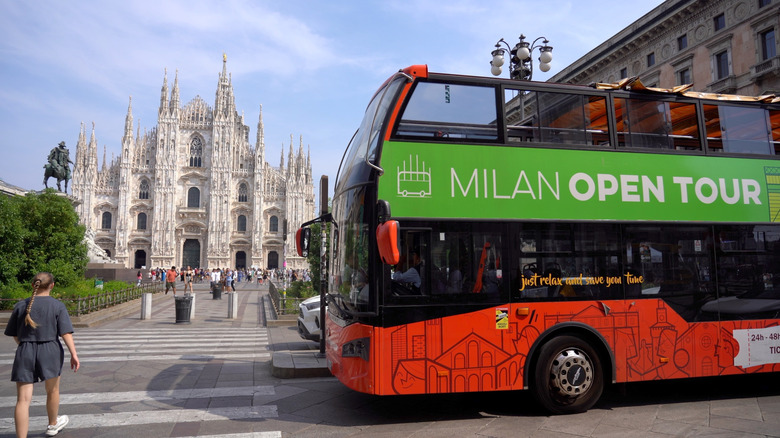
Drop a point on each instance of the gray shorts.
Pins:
(37, 361)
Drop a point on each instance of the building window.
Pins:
(768, 49)
(242, 193)
(721, 65)
(193, 197)
(651, 59)
(623, 73)
(684, 76)
(141, 221)
(196, 152)
(241, 223)
(106, 221)
(719, 22)
(143, 190)
(762, 3)
(274, 224)
(682, 42)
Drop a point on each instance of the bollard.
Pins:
(192, 306)
(232, 305)
(146, 306)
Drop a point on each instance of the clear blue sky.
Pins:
(312, 65)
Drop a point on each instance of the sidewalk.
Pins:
(292, 356)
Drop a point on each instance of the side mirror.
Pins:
(387, 238)
(302, 239)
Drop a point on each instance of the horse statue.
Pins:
(57, 166)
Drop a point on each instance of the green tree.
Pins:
(12, 231)
(40, 232)
(314, 253)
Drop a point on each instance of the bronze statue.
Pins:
(57, 167)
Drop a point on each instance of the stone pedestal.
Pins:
(146, 306)
(232, 305)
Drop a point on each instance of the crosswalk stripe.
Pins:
(100, 420)
(184, 337)
(89, 352)
(178, 342)
(276, 434)
(145, 396)
(160, 331)
(167, 357)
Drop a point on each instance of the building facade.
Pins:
(193, 191)
(719, 46)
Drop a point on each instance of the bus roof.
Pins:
(630, 84)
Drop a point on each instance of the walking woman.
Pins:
(35, 324)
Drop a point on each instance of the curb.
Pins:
(298, 364)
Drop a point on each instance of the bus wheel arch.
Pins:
(576, 349)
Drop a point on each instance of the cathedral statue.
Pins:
(58, 167)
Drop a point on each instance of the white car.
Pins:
(309, 319)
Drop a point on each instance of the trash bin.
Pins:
(216, 292)
(183, 305)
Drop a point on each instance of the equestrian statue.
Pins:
(58, 167)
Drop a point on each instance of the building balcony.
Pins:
(727, 85)
(769, 67)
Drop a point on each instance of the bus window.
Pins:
(774, 121)
(566, 261)
(670, 263)
(644, 123)
(748, 272)
(451, 264)
(574, 119)
(737, 129)
(450, 112)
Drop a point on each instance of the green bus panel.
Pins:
(490, 182)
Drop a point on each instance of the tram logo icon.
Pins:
(414, 182)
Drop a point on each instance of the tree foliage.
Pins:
(40, 232)
(314, 253)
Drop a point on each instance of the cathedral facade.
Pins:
(193, 191)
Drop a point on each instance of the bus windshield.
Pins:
(350, 260)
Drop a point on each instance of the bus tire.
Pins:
(568, 377)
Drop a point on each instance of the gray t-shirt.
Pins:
(50, 315)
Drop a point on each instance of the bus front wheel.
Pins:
(569, 377)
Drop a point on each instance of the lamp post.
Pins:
(520, 64)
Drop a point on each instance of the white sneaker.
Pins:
(62, 421)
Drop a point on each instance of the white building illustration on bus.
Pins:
(414, 182)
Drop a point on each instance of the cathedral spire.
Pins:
(129, 121)
(164, 94)
(290, 162)
(260, 143)
(175, 93)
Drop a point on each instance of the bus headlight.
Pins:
(357, 348)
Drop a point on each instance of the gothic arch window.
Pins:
(143, 190)
(196, 152)
(273, 224)
(241, 223)
(193, 197)
(242, 193)
(141, 221)
(106, 221)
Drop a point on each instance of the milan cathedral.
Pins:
(193, 191)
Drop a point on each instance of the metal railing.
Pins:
(282, 304)
(91, 303)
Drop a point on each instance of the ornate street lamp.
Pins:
(520, 64)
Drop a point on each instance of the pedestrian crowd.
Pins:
(225, 278)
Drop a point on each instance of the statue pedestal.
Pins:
(111, 271)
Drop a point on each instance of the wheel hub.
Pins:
(571, 372)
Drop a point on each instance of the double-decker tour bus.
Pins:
(491, 234)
